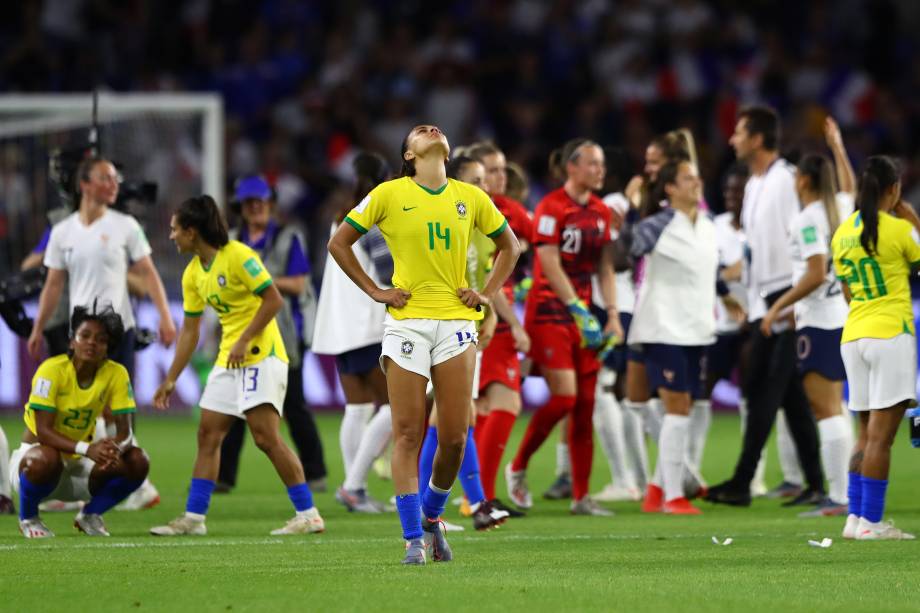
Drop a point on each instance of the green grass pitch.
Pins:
(549, 561)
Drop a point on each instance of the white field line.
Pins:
(170, 542)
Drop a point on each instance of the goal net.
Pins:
(174, 141)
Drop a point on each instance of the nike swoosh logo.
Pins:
(410, 208)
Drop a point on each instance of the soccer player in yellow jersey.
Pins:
(250, 376)
(874, 251)
(58, 457)
(427, 221)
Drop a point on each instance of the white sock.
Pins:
(672, 445)
(352, 428)
(656, 479)
(195, 516)
(4, 465)
(375, 439)
(700, 419)
(836, 445)
(758, 484)
(563, 460)
(608, 423)
(308, 513)
(788, 456)
(653, 418)
(634, 439)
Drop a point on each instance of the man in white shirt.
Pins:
(770, 205)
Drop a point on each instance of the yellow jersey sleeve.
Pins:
(370, 211)
(192, 302)
(45, 387)
(120, 393)
(488, 219)
(252, 272)
(910, 245)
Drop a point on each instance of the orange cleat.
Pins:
(681, 506)
(654, 499)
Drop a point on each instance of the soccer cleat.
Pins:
(881, 531)
(654, 499)
(59, 506)
(826, 508)
(6, 506)
(849, 528)
(357, 501)
(511, 511)
(318, 486)
(728, 493)
(308, 523)
(615, 493)
(808, 496)
(487, 516)
(758, 489)
(34, 528)
(382, 467)
(465, 509)
(587, 506)
(518, 492)
(90, 524)
(181, 526)
(449, 527)
(680, 506)
(784, 490)
(561, 489)
(144, 497)
(415, 552)
(435, 541)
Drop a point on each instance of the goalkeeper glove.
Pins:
(591, 334)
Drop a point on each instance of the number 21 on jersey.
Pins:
(571, 240)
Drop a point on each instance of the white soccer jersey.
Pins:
(676, 304)
(825, 307)
(730, 243)
(770, 204)
(97, 257)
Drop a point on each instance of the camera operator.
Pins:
(92, 249)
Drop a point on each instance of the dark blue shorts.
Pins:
(359, 361)
(818, 351)
(616, 359)
(675, 368)
(724, 356)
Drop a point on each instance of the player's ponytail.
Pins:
(820, 174)
(201, 213)
(880, 175)
(569, 152)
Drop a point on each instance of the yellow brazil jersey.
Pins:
(231, 285)
(55, 389)
(880, 305)
(428, 233)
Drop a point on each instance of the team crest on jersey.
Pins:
(222, 280)
(461, 209)
(407, 347)
(668, 375)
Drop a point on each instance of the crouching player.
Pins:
(56, 458)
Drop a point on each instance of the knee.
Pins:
(452, 446)
(407, 436)
(209, 440)
(265, 440)
(137, 464)
(42, 465)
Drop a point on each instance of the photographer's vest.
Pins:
(275, 256)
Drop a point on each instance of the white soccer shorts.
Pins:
(233, 391)
(419, 344)
(881, 372)
(73, 484)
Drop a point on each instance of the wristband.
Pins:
(81, 448)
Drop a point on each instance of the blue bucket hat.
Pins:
(252, 187)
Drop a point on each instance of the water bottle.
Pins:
(914, 416)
